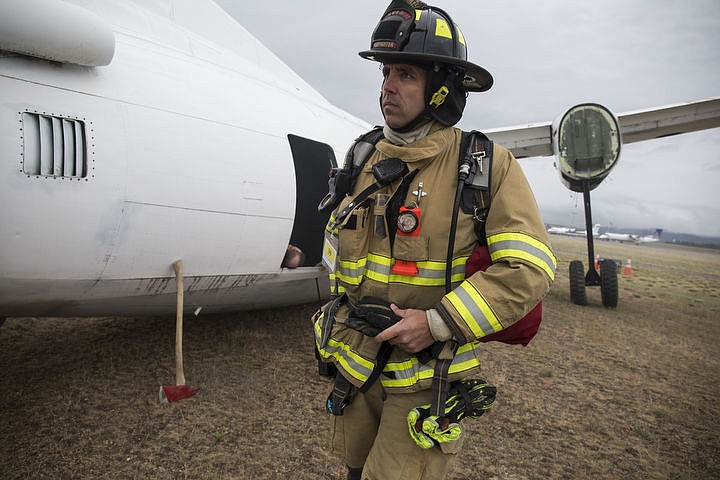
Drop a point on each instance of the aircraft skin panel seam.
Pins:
(150, 107)
(179, 53)
(220, 212)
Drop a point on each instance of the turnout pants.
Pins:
(373, 433)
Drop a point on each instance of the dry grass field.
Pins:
(627, 393)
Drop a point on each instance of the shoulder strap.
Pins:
(473, 192)
(362, 148)
(473, 189)
(341, 180)
(478, 152)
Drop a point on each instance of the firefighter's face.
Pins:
(403, 93)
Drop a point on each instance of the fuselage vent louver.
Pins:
(54, 146)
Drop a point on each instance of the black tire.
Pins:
(609, 283)
(577, 283)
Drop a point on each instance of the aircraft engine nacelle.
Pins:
(586, 142)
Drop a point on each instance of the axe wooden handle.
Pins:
(179, 373)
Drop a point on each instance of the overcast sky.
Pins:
(546, 57)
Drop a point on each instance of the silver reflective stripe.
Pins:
(352, 363)
(351, 272)
(521, 246)
(411, 371)
(379, 268)
(475, 312)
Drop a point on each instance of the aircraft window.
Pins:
(54, 146)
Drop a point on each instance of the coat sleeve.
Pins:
(523, 262)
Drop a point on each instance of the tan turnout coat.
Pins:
(522, 271)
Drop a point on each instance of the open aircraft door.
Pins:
(313, 161)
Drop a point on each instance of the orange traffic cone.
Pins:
(628, 268)
(597, 262)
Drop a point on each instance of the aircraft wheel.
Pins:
(609, 283)
(577, 283)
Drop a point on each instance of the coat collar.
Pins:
(438, 140)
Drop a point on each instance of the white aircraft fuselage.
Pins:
(192, 143)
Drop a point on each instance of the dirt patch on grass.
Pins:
(625, 393)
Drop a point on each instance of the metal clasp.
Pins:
(479, 214)
(478, 157)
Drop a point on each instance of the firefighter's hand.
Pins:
(412, 333)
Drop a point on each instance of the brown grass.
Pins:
(612, 394)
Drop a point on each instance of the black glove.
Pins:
(371, 316)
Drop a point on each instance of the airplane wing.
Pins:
(536, 140)
(533, 140)
(671, 120)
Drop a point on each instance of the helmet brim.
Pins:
(477, 79)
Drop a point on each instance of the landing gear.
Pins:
(607, 278)
(577, 283)
(609, 283)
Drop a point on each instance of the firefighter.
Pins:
(387, 248)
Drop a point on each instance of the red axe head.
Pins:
(176, 392)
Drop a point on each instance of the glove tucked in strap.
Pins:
(467, 398)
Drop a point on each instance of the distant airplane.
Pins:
(572, 232)
(561, 230)
(632, 237)
(617, 237)
(655, 237)
(138, 133)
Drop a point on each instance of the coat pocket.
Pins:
(411, 249)
(353, 233)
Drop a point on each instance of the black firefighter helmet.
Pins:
(414, 33)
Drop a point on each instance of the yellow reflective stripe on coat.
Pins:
(379, 268)
(335, 287)
(474, 309)
(411, 371)
(333, 284)
(524, 247)
(351, 272)
(355, 365)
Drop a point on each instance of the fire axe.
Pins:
(181, 389)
